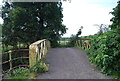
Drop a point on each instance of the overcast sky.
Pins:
(85, 13)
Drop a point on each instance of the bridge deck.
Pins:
(70, 63)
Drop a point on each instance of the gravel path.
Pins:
(70, 63)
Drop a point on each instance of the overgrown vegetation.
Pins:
(105, 50)
(27, 73)
(104, 53)
(19, 73)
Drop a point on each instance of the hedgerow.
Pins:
(105, 52)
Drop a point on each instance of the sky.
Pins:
(85, 13)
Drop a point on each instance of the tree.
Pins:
(102, 28)
(116, 19)
(29, 22)
(0, 30)
(0, 33)
(74, 38)
(116, 24)
(79, 31)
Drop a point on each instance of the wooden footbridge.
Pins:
(65, 63)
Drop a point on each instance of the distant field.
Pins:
(63, 43)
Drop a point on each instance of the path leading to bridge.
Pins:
(70, 63)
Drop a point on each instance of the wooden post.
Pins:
(44, 51)
(32, 55)
(41, 50)
(38, 53)
(77, 43)
(45, 43)
(49, 46)
(10, 58)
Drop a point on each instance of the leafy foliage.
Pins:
(26, 73)
(28, 22)
(105, 49)
(0, 31)
(19, 73)
(40, 67)
(104, 52)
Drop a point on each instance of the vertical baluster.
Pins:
(38, 55)
(41, 52)
(44, 48)
(77, 43)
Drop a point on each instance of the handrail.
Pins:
(14, 51)
(12, 60)
(38, 50)
(83, 42)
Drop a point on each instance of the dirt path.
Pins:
(70, 63)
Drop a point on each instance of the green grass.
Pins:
(19, 73)
(81, 48)
(26, 73)
(116, 75)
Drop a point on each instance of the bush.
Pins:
(105, 52)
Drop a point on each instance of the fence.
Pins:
(83, 42)
(36, 50)
(13, 59)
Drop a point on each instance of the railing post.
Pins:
(32, 55)
(44, 49)
(41, 50)
(10, 59)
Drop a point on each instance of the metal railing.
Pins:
(36, 50)
(10, 61)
